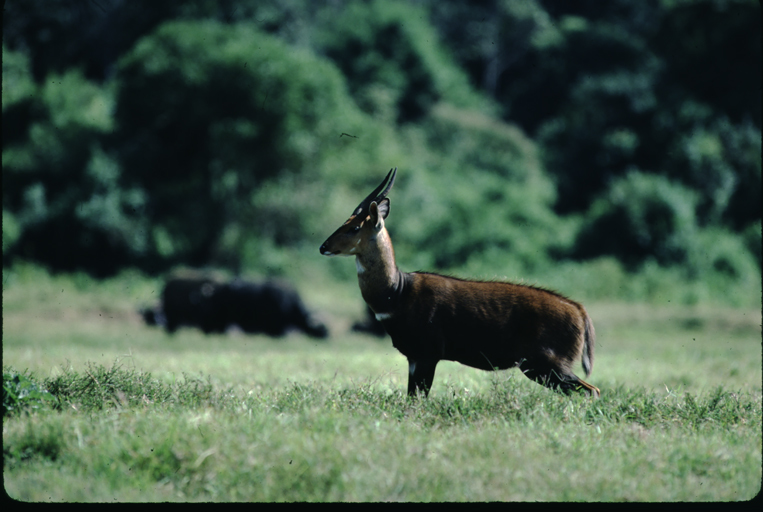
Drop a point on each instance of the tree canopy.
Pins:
(528, 132)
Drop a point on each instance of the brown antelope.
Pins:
(483, 324)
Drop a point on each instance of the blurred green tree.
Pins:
(640, 216)
(61, 193)
(390, 54)
(210, 116)
(89, 36)
(490, 38)
(643, 217)
(641, 119)
(669, 86)
(483, 200)
(712, 53)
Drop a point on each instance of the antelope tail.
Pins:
(590, 338)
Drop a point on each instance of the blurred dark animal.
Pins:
(194, 302)
(370, 324)
(153, 316)
(272, 308)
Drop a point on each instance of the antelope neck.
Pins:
(381, 283)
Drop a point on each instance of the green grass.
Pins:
(148, 417)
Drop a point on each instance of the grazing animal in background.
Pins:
(153, 315)
(490, 325)
(271, 307)
(194, 302)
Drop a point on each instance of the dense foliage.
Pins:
(22, 393)
(527, 132)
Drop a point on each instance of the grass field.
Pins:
(149, 417)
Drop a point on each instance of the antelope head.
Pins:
(365, 222)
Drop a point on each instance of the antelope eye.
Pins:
(355, 229)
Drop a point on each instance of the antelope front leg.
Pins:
(420, 376)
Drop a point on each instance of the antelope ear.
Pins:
(384, 207)
(378, 211)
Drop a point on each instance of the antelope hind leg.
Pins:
(420, 376)
(560, 382)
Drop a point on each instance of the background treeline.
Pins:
(617, 144)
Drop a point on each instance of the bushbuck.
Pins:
(369, 324)
(483, 324)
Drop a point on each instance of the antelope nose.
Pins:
(324, 251)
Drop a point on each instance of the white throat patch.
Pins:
(359, 266)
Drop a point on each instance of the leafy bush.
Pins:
(11, 231)
(645, 220)
(231, 137)
(61, 191)
(21, 393)
(703, 40)
(19, 92)
(596, 117)
(393, 62)
(753, 238)
(640, 216)
(501, 221)
(209, 114)
(490, 39)
(719, 251)
(719, 159)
